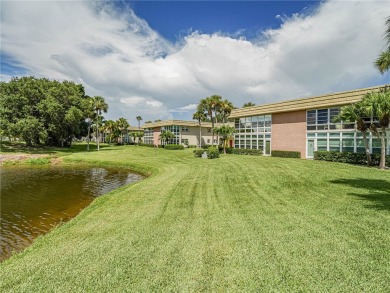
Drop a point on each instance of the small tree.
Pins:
(166, 136)
(359, 114)
(378, 104)
(122, 126)
(225, 132)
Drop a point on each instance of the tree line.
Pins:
(52, 113)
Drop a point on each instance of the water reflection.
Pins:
(35, 199)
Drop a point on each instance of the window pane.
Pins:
(321, 144)
(334, 145)
(347, 145)
(322, 116)
(311, 117)
(333, 113)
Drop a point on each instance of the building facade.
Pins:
(303, 125)
(186, 132)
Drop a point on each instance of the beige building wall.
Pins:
(289, 132)
(193, 135)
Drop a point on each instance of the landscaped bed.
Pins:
(237, 223)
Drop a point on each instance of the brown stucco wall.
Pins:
(289, 132)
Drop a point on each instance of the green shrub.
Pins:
(286, 154)
(198, 153)
(150, 145)
(243, 152)
(350, 158)
(192, 146)
(206, 146)
(174, 147)
(212, 153)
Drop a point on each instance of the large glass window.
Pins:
(148, 136)
(250, 131)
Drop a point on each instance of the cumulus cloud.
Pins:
(117, 55)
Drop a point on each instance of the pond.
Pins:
(33, 200)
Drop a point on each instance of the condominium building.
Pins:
(303, 125)
(186, 132)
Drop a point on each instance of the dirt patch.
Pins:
(19, 157)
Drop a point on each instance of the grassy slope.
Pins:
(237, 223)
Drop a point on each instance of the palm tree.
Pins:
(359, 114)
(249, 104)
(139, 118)
(134, 136)
(166, 136)
(378, 104)
(99, 106)
(110, 127)
(89, 113)
(200, 116)
(210, 105)
(383, 61)
(139, 135)
(226, 108)
(226, 132)
(122, 126)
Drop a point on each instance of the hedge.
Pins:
(150, 145)
(242, 151)
(198, 152)
(174, 147)
(286, 154)
(212, 153)
(350, 158)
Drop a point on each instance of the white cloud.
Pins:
(117, 55)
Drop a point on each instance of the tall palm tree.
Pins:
(226, 132)
(382, 63)
(122, 126)
(89, 113)
(100, 106)
(249, 104)
(378, 104)
(139, 118)
(200, 116)
(357, 113)
(210, 105)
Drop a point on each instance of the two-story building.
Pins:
(303, 125)
(186, 132)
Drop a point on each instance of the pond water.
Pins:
(33, 200)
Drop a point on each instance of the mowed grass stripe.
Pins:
(234, 224)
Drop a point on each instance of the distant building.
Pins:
(303, 125)
(186, 132)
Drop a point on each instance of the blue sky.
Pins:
(173, 19)
(157, 59)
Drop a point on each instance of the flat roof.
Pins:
(180, 123)
(323, 101)
(175, 122)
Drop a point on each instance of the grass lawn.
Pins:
(238, 223)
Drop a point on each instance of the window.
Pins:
(322, 116)
(208, 140)
(185, 129)
(184, 141)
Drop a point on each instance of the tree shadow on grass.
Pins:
(378, 191)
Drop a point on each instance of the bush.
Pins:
(174, 147)
(286, 154)
(212, 153)
(150, 145)
(198, 153)
(243, 152)
(350, 158)
(206, 146)
(192, 146)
